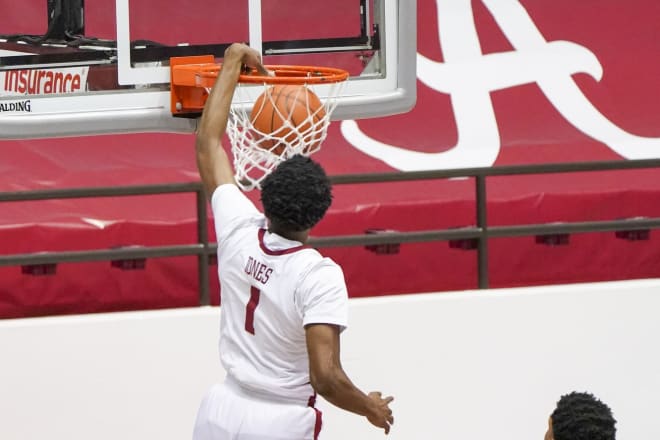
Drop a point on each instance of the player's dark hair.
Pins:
(581, 416)
(297, 194)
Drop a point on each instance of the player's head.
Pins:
(581, 416)
(296, 195)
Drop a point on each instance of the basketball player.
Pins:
(581, 416)
(283, 305)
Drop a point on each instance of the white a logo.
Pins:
(469, 77)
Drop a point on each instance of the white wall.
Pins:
(465, 365)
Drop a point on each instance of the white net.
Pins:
(285, 120)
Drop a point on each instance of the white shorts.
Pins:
(229, 413)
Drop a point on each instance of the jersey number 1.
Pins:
(249, 309)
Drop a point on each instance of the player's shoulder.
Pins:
(226, 190)
(233, 210)
(318, 265)
(228, 197)
(310, 256)
(322, 282)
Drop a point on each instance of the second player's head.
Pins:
(297, 194)
(581, 416)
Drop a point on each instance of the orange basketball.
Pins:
(287, 113)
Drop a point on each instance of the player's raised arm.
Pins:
(330, 381)
(212, 161)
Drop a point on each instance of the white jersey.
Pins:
(271, 287)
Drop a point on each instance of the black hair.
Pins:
(297, 194)
(581, 416)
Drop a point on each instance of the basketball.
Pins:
(288, 115)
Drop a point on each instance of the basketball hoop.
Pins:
(257, 151)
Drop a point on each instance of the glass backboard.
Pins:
(68, 68)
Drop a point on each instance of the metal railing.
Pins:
(481, 232)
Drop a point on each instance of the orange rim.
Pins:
(296, 75)
(192, 77)
(205, 75)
